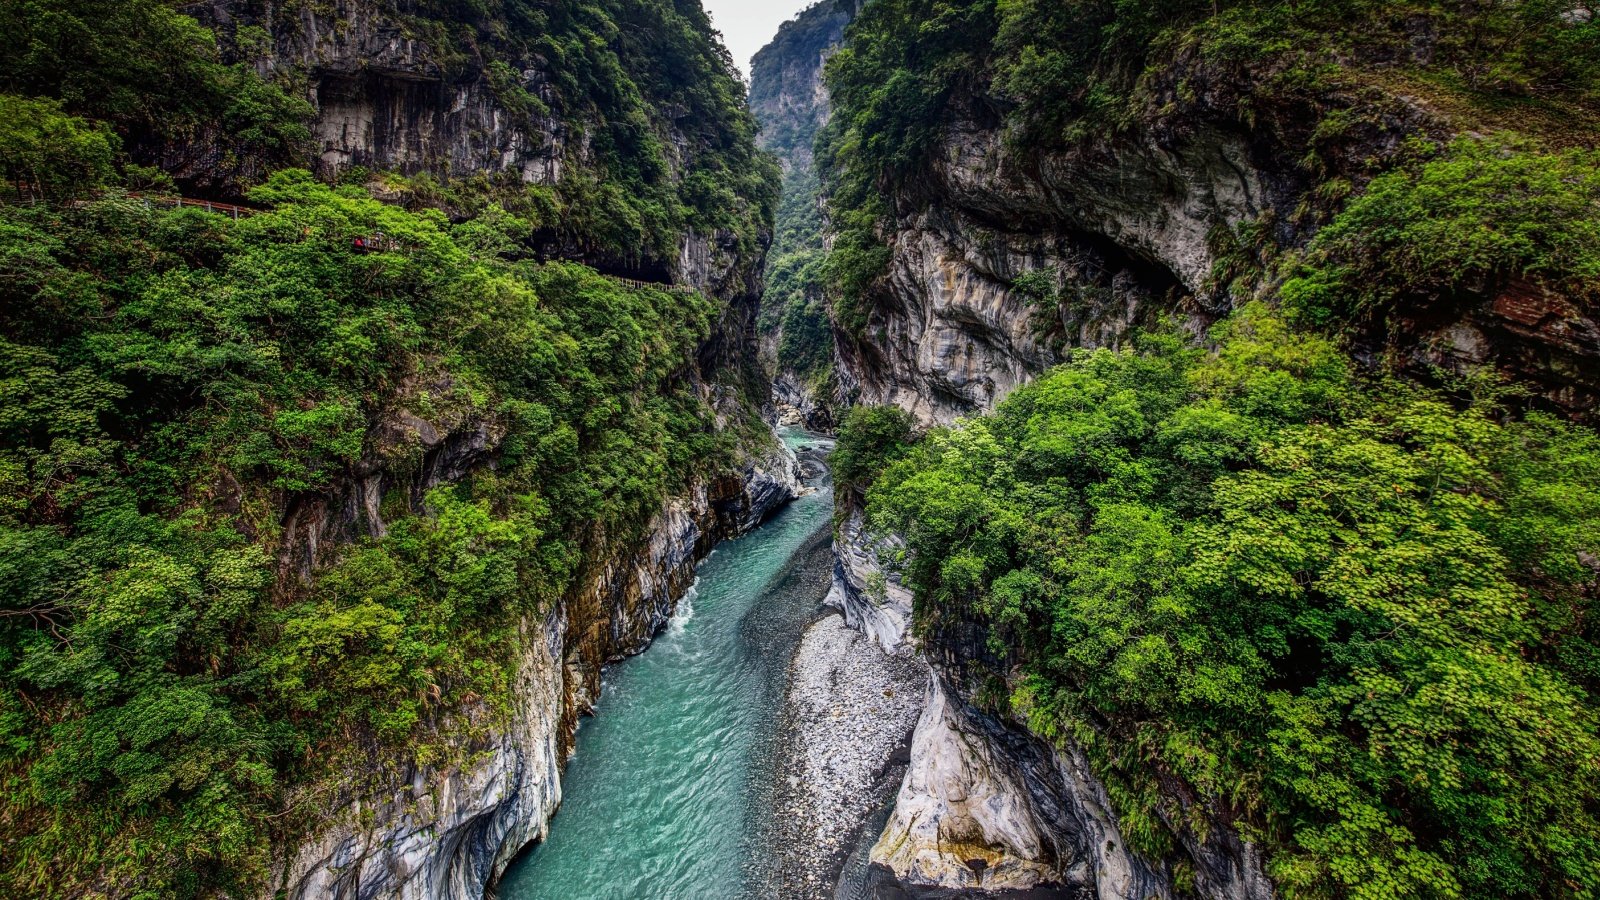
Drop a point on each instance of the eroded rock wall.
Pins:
(1122, 238)
(1123, 235)
(787, 92)
(986, 806)
(1130, 229)
(384, 98)
(870, 595)
(446, 832)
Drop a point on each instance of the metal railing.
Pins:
(650, 285)
(232, 210)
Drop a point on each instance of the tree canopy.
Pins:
(1355, 616)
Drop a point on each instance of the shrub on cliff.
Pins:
(870, 438)
(1356, 619)
(47, 154)
(1305, 79)
(154, 74)
(1471, 220)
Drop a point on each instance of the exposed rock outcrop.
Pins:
(446, 832)
(1127, 230)
(985, 805)
(1002, 258)
(1122, 237)
(790, 101)
(787, 93)
(873, 600)
(386, 100)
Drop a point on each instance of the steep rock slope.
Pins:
(1003, 245)
(449, 831)
(1010, 184)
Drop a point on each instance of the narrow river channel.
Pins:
(671, 778)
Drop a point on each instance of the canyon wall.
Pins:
(790, 100)
(1137, 226)
(430, 832)
(395, 90)
(1005, 255)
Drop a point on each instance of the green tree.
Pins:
(45, 153)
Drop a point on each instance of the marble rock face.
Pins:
(986, 806)
(872, 598)
(446, 833)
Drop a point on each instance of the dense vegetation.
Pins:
(1474, 213)
(1352, 615)
(794, 302)
(175, 692)
(173, 382)
(158, 80)
(617, 66)
(189, 100)
(1356, 617)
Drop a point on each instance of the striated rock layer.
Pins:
(386, 100)
(985, 806)
(1120, 234)
(873, 600)
(1125, 235)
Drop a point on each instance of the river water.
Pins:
(668, 786)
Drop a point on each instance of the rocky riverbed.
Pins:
(848, 713)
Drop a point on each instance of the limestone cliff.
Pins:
(452, 107)
(434, 832)
(866, 591)
(1127, 231)
(1142, 224)
(388, 97)
(787, 93)
(986, 807)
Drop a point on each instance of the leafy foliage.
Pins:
(1354, 618)
(870, 438)
(48, 154)
(171, 383)
(1480, 215)
(154, 74)
(793, 298)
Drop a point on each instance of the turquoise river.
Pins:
(665, 794)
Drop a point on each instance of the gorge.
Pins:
(482, 448)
